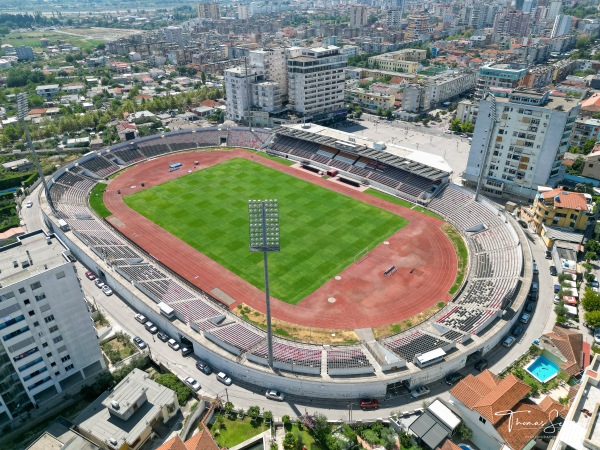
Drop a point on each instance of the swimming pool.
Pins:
(542, 369)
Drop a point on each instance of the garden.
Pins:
(118, 348)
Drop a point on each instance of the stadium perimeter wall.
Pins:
(295, 384)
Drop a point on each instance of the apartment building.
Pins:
(418, 25)
(359, 16)
(404, 61)
(583, 130)
(25, 53)
(369, 99)
(316, 79)
(526, 143)
(562, 26)
(502, 75)
(173, 34)
(420, 97)
(208, 11)
(49, 342)
(561, 209)
(393, 19)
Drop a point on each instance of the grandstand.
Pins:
(405, 173)
(497, 269)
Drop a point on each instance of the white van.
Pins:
(166, 310)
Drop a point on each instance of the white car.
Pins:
(29, 204)
(274, 395)
(525, 318)
(99, 283)
(419, 391)
(192, 383)
(173, 344)
(107, 290)
(141, 318)
(223, 378)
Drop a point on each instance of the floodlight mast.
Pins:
(22, 106)
(264, 237)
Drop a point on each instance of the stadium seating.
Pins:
(293, 354)
(346, 357)
(408, 345)
(236, 335)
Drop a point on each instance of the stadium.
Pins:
(365, 244)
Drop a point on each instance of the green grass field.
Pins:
(32, 39)
(321, 230)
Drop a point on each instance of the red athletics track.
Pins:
(364, 298)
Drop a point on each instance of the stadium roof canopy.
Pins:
(425, 164)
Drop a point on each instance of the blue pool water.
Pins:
(542, 369)
(11, 190)
(465, 447)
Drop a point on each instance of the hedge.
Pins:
(9, 180)
(29, 181)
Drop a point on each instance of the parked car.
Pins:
(29, 204)
(369, 403)
(509, 341)
(525, 318)
(553, 271)
(173, 344)
(419, 391)
(187, 350)
(90, 275)
(517, 330)
(151, 327)
(99, 283)
(192, 383)
(548, 254)
(140, 318)
(163, 336)
(138, 341)
(535, 268)
(224, 378)
(272, 394)
(453, 378)
(556, 288)
(107, 290)
(556, 299)
(530, 307)
(597, 335)
(203, 367)
(482, 364)
(535, 287)
(594, 284)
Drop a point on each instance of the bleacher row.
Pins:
(369, 171)
(494, 268)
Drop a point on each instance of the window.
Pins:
(49, 354)
(32, 313)
(57, 373)
(65, 358)
(9, 322)
(40, 297)
(482, 420)
(45, 344)
(53, 328)
(52, 364)
(57, 339)
(21, 290)
(15, 333)
(36, 324)
(60, 275)
(36, 285)
(27, 301)
(49, 318)
(69, 367)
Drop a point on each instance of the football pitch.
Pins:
(321, 231)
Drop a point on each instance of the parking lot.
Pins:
(429, 139)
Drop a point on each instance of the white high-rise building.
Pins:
(394, 19)
(47, 338)
(316, 79)
(562, 25)
(527, 143)
(312, 79)
(554, 9)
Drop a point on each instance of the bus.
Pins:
(175, 166)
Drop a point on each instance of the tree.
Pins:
(592, 318)
(203, 77)
(253, 413)
(587, 146)
(467, 127)
(289, 441)
(592, 245)
(560, 309)
(321, 428)
(388, 114)
(184, 393)
(464, 431)
(228, 407)
(455, 125)
(268, 416)
(591, 256)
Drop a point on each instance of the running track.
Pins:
(364, 298)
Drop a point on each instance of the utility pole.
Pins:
(227, 395)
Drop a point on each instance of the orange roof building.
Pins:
(557, 208)
(200, 441)
(567, 345)
(498, 412)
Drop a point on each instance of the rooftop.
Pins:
(97, 420)
(32, 254)
(565, 199)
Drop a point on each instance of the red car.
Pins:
(90, 275)
(369, 403)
